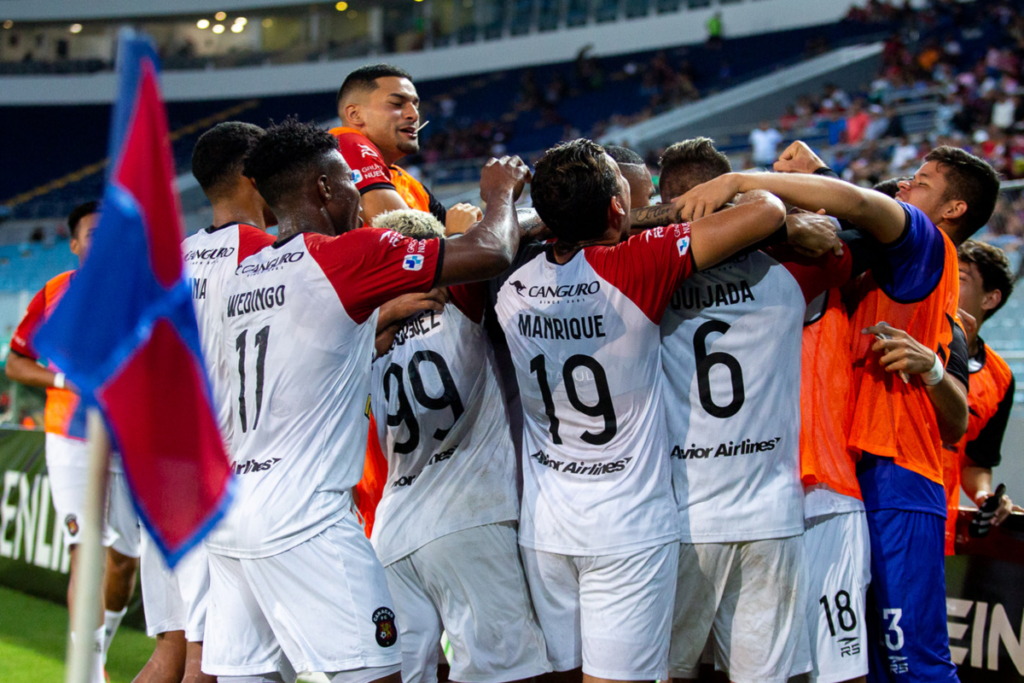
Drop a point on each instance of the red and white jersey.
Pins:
(451, 465)
(731, 352)
(299, 321)
(585, 342)
(211, 257)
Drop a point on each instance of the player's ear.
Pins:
(352, 113)
(323, 188)
(616, 208)
(991, 300)
(954, 209)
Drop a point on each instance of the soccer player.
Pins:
(379, 110)
(175, 601)
(581, 315)
(66, 456)
(294, 582)
(732, 357)
(636, 173)
(446, 525)
(895, 425)
(986, 282)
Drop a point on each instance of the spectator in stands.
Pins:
(857, 122)
(1004, 111)
(764, 143)
(714, 27)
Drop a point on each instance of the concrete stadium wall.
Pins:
(620, 37)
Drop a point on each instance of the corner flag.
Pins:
(125, 332)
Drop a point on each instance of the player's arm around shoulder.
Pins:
(719, 235)
(884, 218)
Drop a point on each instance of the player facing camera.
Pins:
(304, 179)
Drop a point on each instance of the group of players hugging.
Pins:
(618, 440)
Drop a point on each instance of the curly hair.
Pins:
(993, 266)
(572, 187)
(284, 155)
(420, 225)
(219, 155)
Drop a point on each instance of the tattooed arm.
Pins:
(653, 216)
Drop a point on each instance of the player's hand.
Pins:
(460, 218)
(385, 338)
(812, 234)
(400, 308)
(706, 198)
(799, 158)
(970, 324)
(1006, 506)
(900, 352)
(500, 175)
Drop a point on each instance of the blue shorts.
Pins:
(906, 606)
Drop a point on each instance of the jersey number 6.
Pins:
(706, 361)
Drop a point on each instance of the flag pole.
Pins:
(91, 557)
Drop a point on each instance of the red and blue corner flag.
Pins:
(125, 332)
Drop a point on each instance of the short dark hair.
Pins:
(692, 162)
(889, 187)
(80, 212)
(623, 155)
(365, 78)
(993, 266)
(283, 156)
(572, 186)
(219, 154)
(971, 180)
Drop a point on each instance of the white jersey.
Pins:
(585, 343)
(299, 322)
(731, 351)
(451, 465)
(211, 256)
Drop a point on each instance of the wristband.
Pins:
(59, 380)
(935, 375)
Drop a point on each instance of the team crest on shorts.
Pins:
(71, 522)
(387, 632)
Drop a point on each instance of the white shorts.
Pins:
(610, 614)
(175, 600)
(451, 584)
(323, 605)
(751, 597)
(838, 573)
(68, 469)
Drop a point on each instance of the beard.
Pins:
(409, 146)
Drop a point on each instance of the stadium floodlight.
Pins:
(75, 28)
(237, 28)
(220, 16)
(241, 21)
(268, 22)
(341, 6)
(203, 23)
(218, 28)
(8, 24)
